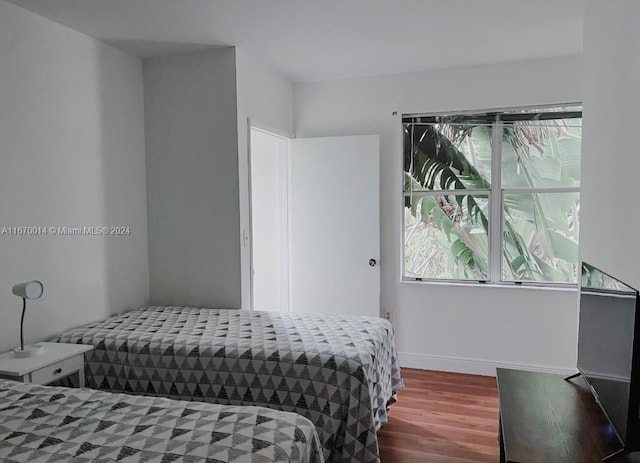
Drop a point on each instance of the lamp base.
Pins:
(29, 351)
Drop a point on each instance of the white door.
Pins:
(334, 229)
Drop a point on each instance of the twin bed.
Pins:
(339, 372)
(45, 424)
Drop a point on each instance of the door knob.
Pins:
(372, 262)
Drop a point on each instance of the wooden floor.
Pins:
(442, 417)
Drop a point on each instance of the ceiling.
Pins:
(314, 40)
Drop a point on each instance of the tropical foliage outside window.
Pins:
(492, 197)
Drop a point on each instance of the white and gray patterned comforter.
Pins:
(341, 372)
(43, 424)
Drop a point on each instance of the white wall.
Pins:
(460, 328)
(610, 159)
(265, 97)
(71, 154)
(192, 179)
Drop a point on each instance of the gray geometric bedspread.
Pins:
(42, 424)
(341, 372)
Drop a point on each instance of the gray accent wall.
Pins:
(192, 179)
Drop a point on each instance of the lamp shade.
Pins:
(28, 290)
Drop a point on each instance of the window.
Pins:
(492, 197)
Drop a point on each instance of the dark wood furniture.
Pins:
(544, 418)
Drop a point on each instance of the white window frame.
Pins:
(496, 207)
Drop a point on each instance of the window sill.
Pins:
(505, 286)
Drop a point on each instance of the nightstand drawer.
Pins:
(57, 370)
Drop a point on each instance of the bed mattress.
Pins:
(341, 372)
(42, 424)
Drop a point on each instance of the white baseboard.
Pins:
(469, 366)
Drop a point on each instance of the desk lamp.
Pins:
(27, 290)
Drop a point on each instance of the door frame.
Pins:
(285, 245)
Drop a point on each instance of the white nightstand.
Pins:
(58, 361)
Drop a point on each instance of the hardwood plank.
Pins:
(442, 417)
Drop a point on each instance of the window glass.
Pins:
(445, 236)
(541, 153)
(447, 157)
(540, 237)
(464, 221)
